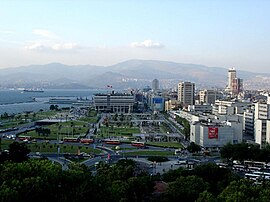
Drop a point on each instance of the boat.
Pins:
(33, 90)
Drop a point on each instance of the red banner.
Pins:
(212, 133)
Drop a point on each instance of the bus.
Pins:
(138, 144)
(24, 138)
(71, 139)
(87, 141)
(112, 141)
(255, 164)
(239, 168)
(252, 176)
(264, 175)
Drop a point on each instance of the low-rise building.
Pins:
(205, 108)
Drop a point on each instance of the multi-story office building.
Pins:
(262, 123)
(231, 77)
(115, 102)
(215, 135)
(186, 91)
(237, 86)
(248, 122)
(157, 104)
(223, 107)
(155, 85)
(171, 105)
(207, 96)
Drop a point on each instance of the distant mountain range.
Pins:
(128, 74)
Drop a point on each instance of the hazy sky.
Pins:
(214, 33)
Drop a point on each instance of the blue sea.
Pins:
(17, 101)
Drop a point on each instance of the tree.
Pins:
(18, 152)
(227, 151)
(242, 190)
(185, 189)
(121, 117)
(206, 197)
(193, 147)
(115, 117)
(32, 180)
(34, 116)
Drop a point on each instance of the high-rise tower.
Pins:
(186, 91)
(155, 85)
(231, 77)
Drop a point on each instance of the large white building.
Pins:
(115, 102)
(216, 133)
(186, 92)
(223, 107)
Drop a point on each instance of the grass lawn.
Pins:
(118, 131)
(79, 129)
(5, 143)
(44, 114)
(164, 128)
(11, 123)
(165, 144)
(89, 119)
(52, 148)
(150, 153)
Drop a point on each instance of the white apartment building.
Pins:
(248, 122)
(262, 123)
(222, 107)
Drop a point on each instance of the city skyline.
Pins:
(220, 34)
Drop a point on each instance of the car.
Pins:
(181, 162)
(84, 154)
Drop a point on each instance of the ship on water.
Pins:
(33, 90)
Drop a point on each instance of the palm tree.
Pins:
(71, 125)
(58, 131)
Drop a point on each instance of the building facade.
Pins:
(237, 86)
(116, 103)
(155, 85)
(207, 96)
(186, 92)
(262, 123)
(231, 77)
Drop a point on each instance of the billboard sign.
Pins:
(212, 133)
